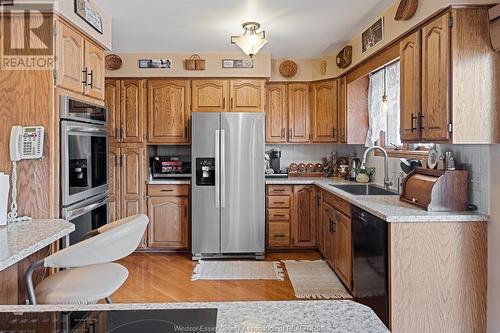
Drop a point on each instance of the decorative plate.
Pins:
(288, 68)
(113, 62)
(432, 158)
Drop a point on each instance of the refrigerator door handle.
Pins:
(223, 169)
(217, 175)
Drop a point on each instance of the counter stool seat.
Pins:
(82, 285)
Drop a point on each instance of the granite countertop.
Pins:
(168, 182)
(386, 207)
(21, 239)
(289, 316)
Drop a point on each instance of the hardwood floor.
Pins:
(160, 277)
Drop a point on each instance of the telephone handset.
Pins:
(26, 143)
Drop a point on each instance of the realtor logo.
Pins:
(27, 32)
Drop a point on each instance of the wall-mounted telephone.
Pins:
(25, 143)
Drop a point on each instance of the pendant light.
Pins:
(385, 99)
(251, 41)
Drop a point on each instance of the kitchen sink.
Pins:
(364, 190)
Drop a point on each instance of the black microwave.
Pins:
(171, 166)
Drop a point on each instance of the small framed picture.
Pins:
(155, 63)
(89, 14)
(373, 35)
(237, 63)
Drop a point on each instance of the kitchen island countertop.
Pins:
(386, 207)
(288, 316)
(21, 239)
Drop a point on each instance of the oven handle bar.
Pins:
(74, 213)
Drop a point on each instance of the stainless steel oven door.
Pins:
(84, 161)
(86, 216)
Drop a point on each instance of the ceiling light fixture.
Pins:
(251, 41)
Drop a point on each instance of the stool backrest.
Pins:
(115, 241)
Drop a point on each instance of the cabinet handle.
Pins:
(333, 132)
(289, 133)
(413, 118)
(121, 160)
(279, 190)
(231, 104)
(280, 202)
(186, 211)
(116, 161)
(279, 235)
(282, 133)
(224, 103)
(166, 190)
(91, 74)
(122, 131)
(279, 215)
(85, 75)
(421, 121)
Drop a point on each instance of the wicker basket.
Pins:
(406, 10)
(194, 63)
(113, 62)
(288, 69)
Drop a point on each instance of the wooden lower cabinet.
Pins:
(168, 218)
(304, 216)
(343, 248)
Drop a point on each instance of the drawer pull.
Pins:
(279, 215)
(279, 236)
(166, 190)
(278, 190)
(280, 202)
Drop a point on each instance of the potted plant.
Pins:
(364, 175)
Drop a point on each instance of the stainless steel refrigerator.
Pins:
(228, 198)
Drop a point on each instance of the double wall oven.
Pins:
(84, 165)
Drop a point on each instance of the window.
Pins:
(384, 113)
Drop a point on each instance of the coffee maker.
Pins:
(274, 160)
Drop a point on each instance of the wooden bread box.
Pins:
(436, 190)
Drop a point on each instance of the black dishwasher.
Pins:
(370, 264)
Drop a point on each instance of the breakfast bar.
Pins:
(20, 244)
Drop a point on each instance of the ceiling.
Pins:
(295, 28)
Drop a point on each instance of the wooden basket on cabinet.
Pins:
(195, 63)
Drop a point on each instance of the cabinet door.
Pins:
(324, 112)
(168, 111)
(132, 179)
(327, 225)
(247, 95)
(168, 222)
(298, 113)
(276, 113)
(112, 101)
(94, 63)
(70, 58)
(304, 216)
(342, 109)
(132, 111)
(410, 53)
(436, 79)
(209, 95)
(114, 184)
(343, 248)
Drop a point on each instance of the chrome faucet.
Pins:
(387, 181)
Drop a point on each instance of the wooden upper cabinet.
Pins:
(436, 79)
(324, 112)
(70, 58)
(410, 57)
(342, 109)
(209, 95)
(169, 222)
(276, 113)
(343, 248)
(112, 101)
(168, 111)
(132, 117)
(247, 95)
(298, 113)
(304, 216)
(94, 65)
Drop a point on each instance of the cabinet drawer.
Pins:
(279, 234)
(278, 214)
(337, 203)
(168, 190)
(279, 190)
(278, 202)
